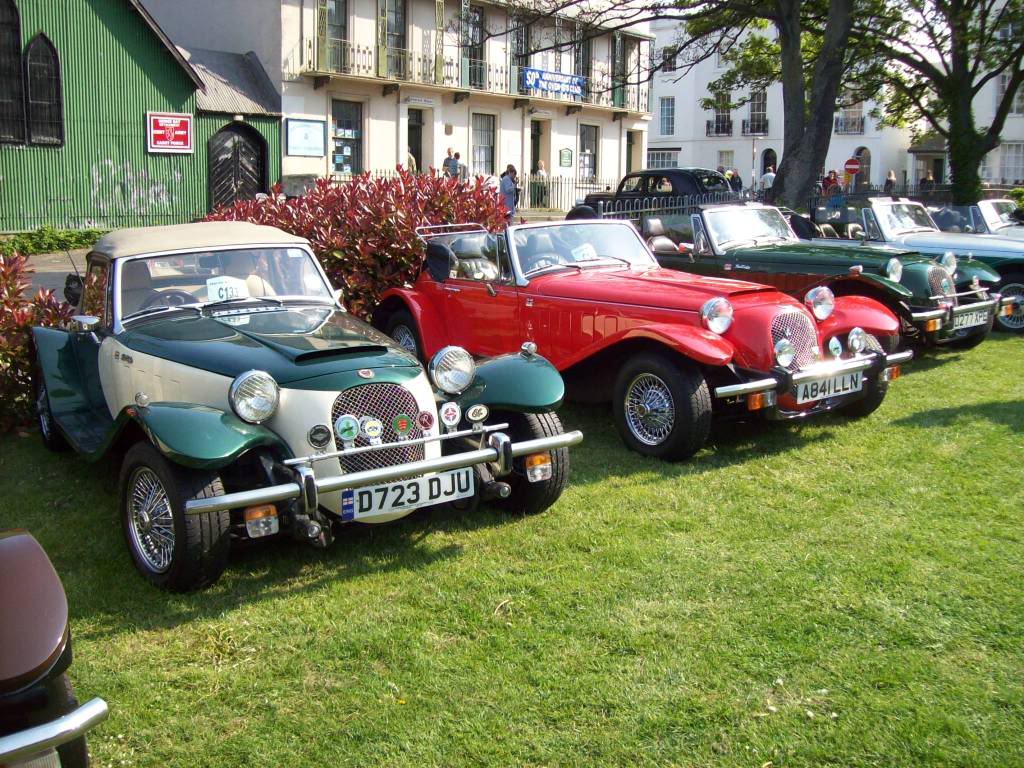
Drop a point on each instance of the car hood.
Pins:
(826, 253)
(960, 242)
(290, 344)
(654, 287)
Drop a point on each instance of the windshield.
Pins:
(997, 213)
(745, 225)
(580, 244)
(904, 217)
(207, 277)
(712, 181)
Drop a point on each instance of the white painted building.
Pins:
(367, 83)
(1005, 163)
(751, 138)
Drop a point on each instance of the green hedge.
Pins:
(49, 240)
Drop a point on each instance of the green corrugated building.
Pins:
(80, 145)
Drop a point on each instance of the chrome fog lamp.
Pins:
(785, 352)
(254, 396)
(820, 301)
(716, 314)
(857, 341)
(894, 269)
(948, 260)
(452, 370)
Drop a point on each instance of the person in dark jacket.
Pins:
(735, 181)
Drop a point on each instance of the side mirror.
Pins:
(339, 296)
(85, 324)
(73, 289)
(968, 229)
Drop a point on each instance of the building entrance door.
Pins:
(416, 137)
(236, 164)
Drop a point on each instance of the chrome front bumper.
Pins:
(813, 373)
(40, 738)
(500, 450)
(948, 313)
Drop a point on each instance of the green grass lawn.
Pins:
(839, 592)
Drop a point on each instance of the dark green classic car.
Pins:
(217, 363)
(938, 301)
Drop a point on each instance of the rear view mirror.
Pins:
(73, 290)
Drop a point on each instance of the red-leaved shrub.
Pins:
(363, 230)
(17, 316)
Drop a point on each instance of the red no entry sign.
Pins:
(852, 166)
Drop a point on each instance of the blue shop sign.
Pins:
(552, 82)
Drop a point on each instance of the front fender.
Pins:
(690, 341)
(868, 282)
(515, 382)
(966, 271)
(428, 324)
(202, 437)
(859, 311)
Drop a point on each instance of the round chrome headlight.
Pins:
(948, 260)
(857, 341)
(785, 352)
(820, 301)
(452, 370)
(894, 269)
(716, 314)
(253, 396)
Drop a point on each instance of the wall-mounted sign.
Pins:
(565, 158)
(169, 132)
(552, 82)
(305, 138)
(420, 101)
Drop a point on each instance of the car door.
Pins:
(482, 302)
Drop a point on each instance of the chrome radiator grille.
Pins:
(935, 277)
(799, 329)
(384, 402)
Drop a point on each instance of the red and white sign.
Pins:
(852, 166)
(169, 132)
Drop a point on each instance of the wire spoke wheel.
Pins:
(43, 412)
(406, 338)
(1014, 321)
(649, 409)
(151, 518)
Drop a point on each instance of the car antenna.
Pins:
(73, 265)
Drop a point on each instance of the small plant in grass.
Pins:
(17, 316)
(364, 231)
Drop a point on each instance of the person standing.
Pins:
(736, 181)
(410, 160)
(460, 167)
(450, 165)
(508, 189)
(767, 179)
(928, 182)
(539, 198)
(832, 180)
(890, 183)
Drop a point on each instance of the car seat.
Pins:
(439, 260)
(804, 228)
(828, 231)
(136, 287)
(854, 231)
(472, 252)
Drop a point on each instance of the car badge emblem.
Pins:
(946, 288)
(371, 427)
(320, 436)
(451, 414)
(835, 346)
(425, 420)
(346, 427)
(365, 373)
(477, 413)
(402, 424)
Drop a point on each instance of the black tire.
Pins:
(690, 399)
(874, 394)
(199, 551)
(1012, 284)
(53, 440)
(402, 328)
(532, 498)
(73, 754)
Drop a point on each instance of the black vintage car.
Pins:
(661, 183)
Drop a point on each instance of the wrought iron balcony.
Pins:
(720, 126)
(346, 58)
(849, 125)
(755, 126)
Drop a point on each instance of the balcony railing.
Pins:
(849, 125)
(719, 127)
(347, 58)
(755, 126)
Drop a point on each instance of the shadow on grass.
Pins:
(1008, 413)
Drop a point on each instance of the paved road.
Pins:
(52, 268)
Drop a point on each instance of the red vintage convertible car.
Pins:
(670, 350)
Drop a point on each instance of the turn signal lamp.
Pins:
(933, 325)
(261, 520)
(758, 400)
(538, 467)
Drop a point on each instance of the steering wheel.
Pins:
(172, 297)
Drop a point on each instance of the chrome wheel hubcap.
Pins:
(43, 410)
(650, 410)
(1016, 319)
(151, 520)
(405, 338)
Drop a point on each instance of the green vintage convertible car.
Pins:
(216, 361)
(939, 301)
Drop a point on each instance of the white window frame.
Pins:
(1011, 162)
(662, 158)
(471, 165)
(726, 153)
(667, 115)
